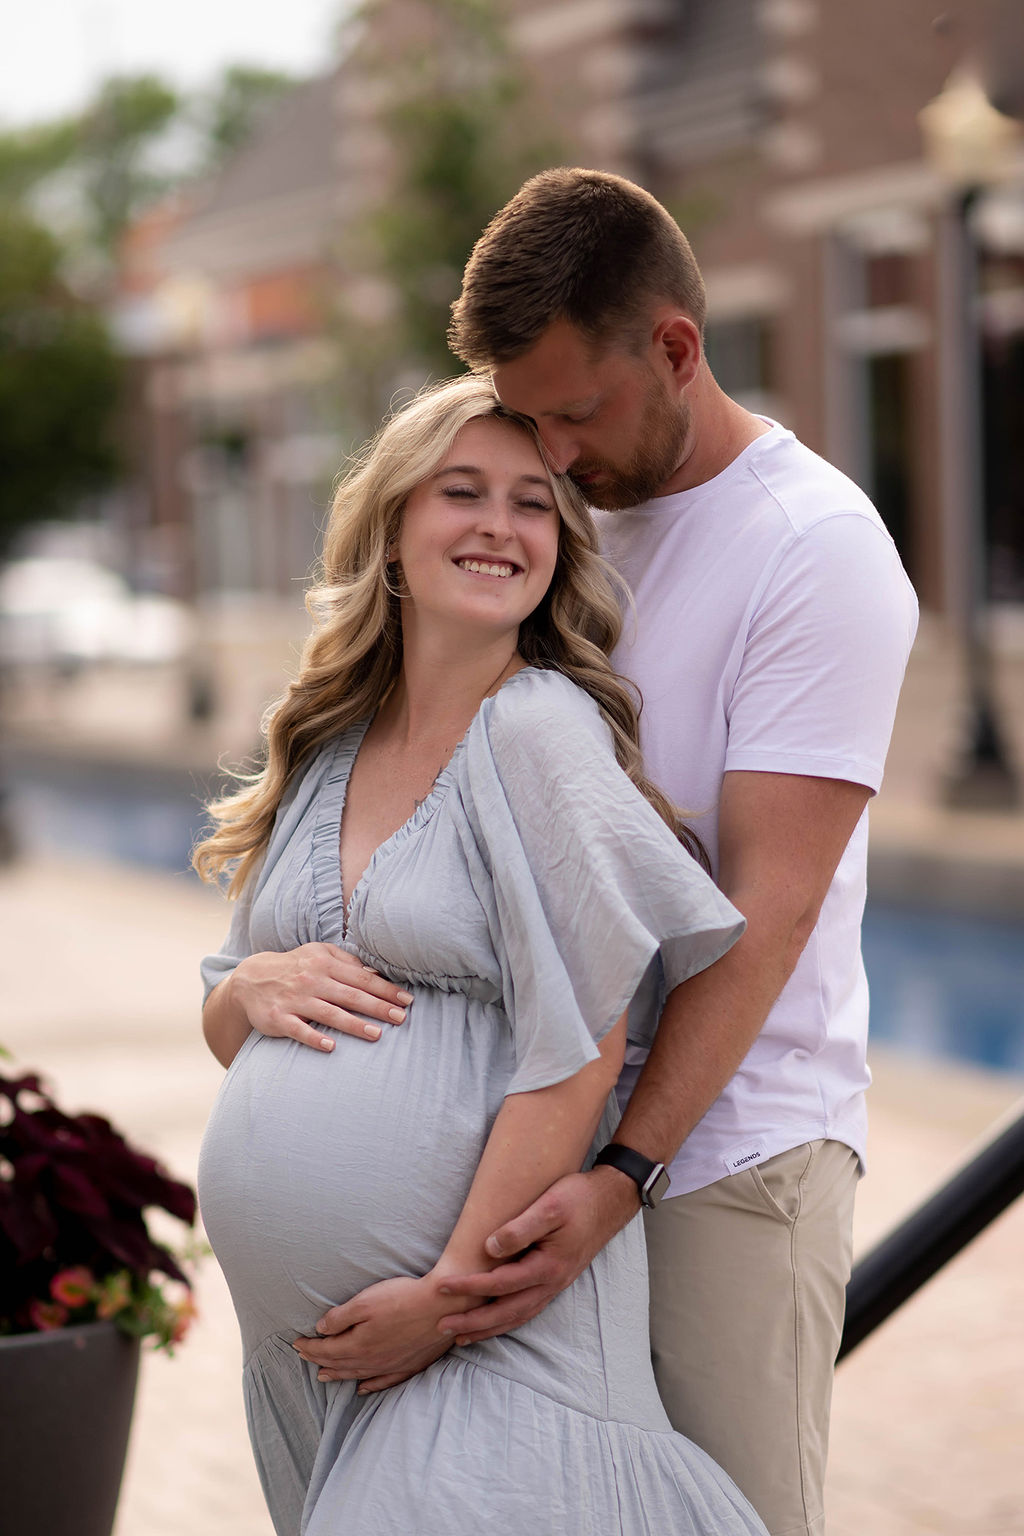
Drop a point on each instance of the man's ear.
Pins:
(678, 344)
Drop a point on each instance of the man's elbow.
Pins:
(799, 933)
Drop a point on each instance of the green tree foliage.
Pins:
(58, 383)
(59, 376)
(466, 132)
(231, 110)
(116, 135)
(115, 157)
(29, 155)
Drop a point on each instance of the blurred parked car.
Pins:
(69, 613)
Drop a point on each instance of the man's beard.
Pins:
(665, 428)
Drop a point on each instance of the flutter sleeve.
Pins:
(239, 944)
(214, 968)
(585, 887)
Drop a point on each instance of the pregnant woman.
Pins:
(453, 796)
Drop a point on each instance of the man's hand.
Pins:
(382, 1336)
(557, 1237)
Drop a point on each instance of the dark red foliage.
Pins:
(72, 1191)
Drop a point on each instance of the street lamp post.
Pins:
(970, 144)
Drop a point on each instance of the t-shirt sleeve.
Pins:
(584, 885)
(826, 651)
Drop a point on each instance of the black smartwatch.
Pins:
(651, 1179)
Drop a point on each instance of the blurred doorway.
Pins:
(888, 449)
(1004, 463)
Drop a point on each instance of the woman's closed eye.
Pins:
(529, 501)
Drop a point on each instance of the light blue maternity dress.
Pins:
(524, 905)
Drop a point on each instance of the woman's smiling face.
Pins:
(479, 537)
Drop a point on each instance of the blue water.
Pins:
(941, 984)
(121, 817)
(946, 985)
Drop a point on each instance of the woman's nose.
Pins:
(495, 518)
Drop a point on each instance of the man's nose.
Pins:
(559, 449)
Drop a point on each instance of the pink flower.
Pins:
(47, 1315)
(73, 1286)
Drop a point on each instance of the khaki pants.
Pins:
(748, 1283)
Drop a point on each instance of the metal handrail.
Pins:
(987, 1182)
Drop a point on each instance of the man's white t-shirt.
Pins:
(772, 629)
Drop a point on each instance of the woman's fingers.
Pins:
(326, 1014)
(354, 1001)
(303, 992)
(364, 982)
(307, 1034)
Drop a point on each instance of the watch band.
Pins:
(650, 1178)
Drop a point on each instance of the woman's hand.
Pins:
(288, 994)
(384, 1335)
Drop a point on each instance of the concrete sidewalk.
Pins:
(99, 991)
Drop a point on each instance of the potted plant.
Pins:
(82, 1282)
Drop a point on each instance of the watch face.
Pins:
(655, 1186)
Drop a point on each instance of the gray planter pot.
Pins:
(66, 1403)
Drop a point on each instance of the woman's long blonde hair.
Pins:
(354, 653)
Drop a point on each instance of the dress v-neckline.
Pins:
(336, 910)
(419, 817)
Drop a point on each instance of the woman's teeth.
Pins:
(484, 569)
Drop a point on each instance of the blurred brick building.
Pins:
(783, 134)
(223, 310)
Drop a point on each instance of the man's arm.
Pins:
(781, 837)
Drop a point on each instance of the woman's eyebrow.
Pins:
(459, 469)
(474, 469)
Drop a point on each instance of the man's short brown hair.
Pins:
(584, 246)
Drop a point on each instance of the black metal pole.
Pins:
(933, 1234)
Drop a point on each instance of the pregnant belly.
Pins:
(322, 1173)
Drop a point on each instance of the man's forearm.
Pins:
(707, 1027)
(780, 839)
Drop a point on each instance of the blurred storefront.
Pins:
(784, 135)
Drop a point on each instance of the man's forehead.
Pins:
(558, 373)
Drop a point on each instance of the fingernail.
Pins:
(322, 1376)
(462, 1341)
(362, 1391)
(397, 1015)
(405, 997)
(325, 1044)
(371, 1031)
(444, 1290)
